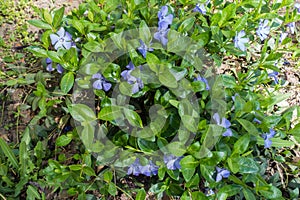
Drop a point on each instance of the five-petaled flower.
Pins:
(222, 173)
(201, 7)
(204, 80)
(61, 39)
(136, 82)
(172, 162)
(263, 29)
(50, 68)
(274, 75)
(137, 168)
(101, 83)
(225, 123)
(267, 138)
(165, 20)
(144, 48)
(240, 40)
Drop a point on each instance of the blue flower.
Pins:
(201, 7)
(222, 173)
(225, 124)
(101, 82)
(61, 39)
(256, 121)
(143, 49)
(50, 68)
(149, 169)
(172, 162)
(204, 80)
(297, 6)
(136, 168)
(292, 27)
(209, 192)
(267, 138)
(164, 19)
(263, 29)
(136, 83)
(163, 25)
(274, 75)
(240, 41)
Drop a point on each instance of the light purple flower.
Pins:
(143, 49)
(240, 40)
(263, 29)
(101, 82)
(256, 121)
(172, 162)
(204, 80)
(274, 75)
(61, 39)
(163, 25)
(222, 173)
(225, 123)
(136, 168)
(162, 36)
(292, 27)
(149, 169)
(136, 82)
(50, 68)
(209, 192)
(267, 138)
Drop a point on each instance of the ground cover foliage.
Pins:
(129, 102)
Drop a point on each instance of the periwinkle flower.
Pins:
(172, 162)
(209, 192)
(292, 27)
(240, 40)
(263, 29)
(201, 7)
(61, 39)
(222, 173)
(267, 138)
(143, 49)
(274, 75)
(137, 168)
(101, 83)
(225, 123)
(256, 121)
(164, 21)
(50, 68)
(204, 80)
(149, 169)
(136, 83)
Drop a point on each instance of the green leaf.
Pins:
(110, 113)
(176, 148)
(112, 189)
(9, 154)
(58, 15)
(276, 142)
(39, 23)
(153, 62)
(188, 173)
(247, 165)
(82, 113)
(227, 13)
(32, 193)
(89, 171)
(241, 145)
(47, 16)
(248, 194)
(240, 23)
(133, 118)
(145, 33)
(248, 126)
(269, 192)
(87, 135)
(141, 194)
(186, 25)
(78, 25)
(94, 46)
(37, 51)
(189, 162)
(63, 140)
(166, 77)
(67, 82)
(23, 157)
